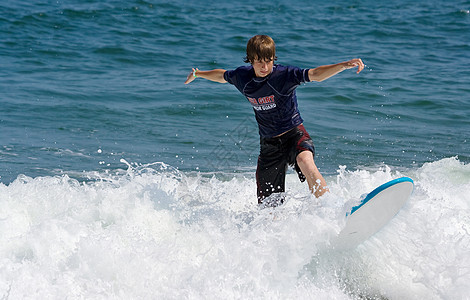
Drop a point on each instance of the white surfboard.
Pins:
(374, 212)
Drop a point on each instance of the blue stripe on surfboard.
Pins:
(378, 190)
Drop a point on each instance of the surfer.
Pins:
(270, 88)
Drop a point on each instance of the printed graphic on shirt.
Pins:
(263, 103)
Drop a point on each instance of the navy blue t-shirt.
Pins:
(273, 97)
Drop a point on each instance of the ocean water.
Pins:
(117, 181)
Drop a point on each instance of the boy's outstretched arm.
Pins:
(216, 75)
(324, 72)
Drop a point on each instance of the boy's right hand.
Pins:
(191, 76)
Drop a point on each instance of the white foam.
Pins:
(155, 232)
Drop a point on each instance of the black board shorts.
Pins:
(276, 154)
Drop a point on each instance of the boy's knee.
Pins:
(305, 157)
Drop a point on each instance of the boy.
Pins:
(270, 88)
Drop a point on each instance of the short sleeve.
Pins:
(229, 76)
(239, 77)
(290, 78)
(298, 75)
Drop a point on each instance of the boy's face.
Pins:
(263, 67)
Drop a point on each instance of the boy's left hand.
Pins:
(356, 62)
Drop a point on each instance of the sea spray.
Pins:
(151, 231)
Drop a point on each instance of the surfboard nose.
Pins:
(374, 212)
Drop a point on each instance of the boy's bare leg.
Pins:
(315, 180)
